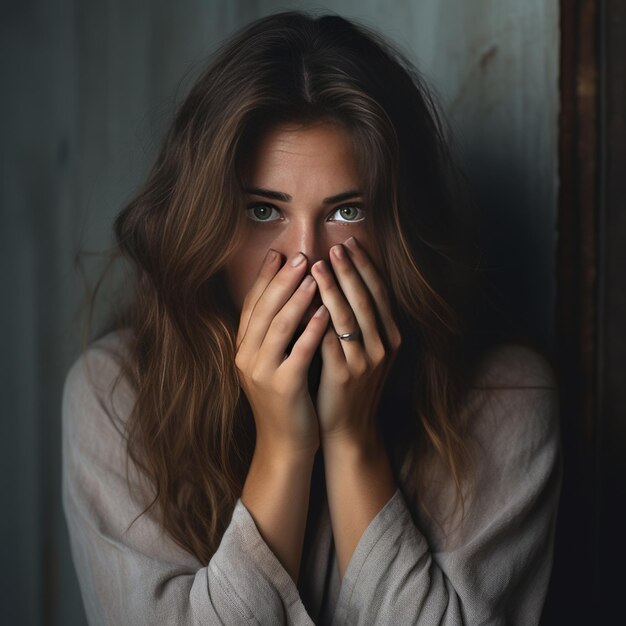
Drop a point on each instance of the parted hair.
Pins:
(191, 431)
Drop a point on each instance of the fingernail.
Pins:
(320, 311)
(309, 281)
(270, 256)
(338, 251)
(351, 243)
(298, 259)
(320, 266)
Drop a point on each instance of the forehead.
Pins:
(290, 153)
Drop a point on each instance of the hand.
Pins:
(276, 383)
(354, 372)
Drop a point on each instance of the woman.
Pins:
(312, 428)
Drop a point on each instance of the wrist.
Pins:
(283, 456)
(363, 445)
(277, 473)
(357, 454)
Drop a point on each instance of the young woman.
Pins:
(298, 421)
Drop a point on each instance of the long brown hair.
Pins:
(191, 430)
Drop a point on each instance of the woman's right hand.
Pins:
(275, 383)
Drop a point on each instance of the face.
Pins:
(302, 194)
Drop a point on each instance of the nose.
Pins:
(308, 238)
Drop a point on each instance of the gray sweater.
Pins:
(491, 567)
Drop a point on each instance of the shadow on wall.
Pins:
(518, 260)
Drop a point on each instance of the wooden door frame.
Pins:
(591, 304)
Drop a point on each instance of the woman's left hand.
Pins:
(353, 372)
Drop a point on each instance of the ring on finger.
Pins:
(349, 336)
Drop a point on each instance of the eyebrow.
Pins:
(285, 197)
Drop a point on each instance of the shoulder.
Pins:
(511, 432)
(513, 407)
(515, 365)
(515, 375)
(94, 382)
(103, 489)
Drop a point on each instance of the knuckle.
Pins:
(249, 301)
(379, 291)
(359, 371)
(280, 325)
(361, 367)
(343, 378)
(257, 376)
(362, 301)
(396, 340)
(240, 362)
(347, 320)
(379, 355)
(300, 298)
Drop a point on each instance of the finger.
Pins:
(285, 323)
(371, 277)
(359, 299)
(307, 343)
(273, 298)
(333, 355)
(266, 273)
(341, 314)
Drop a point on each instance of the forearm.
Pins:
(276, 493)
(359, 482)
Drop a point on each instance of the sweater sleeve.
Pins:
(134, 573)
(491, 563)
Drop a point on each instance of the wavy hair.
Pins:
(191, 430)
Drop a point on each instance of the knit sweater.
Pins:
(419, 564)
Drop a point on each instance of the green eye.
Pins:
(350, 213)
(347, 214)
(260, 212)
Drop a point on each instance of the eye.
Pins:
(260, 212)
(350, 213)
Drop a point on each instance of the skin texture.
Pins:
(308, 165)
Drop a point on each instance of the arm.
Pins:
(359, 483)
(276, 493)
(136, 574)
(492, 568)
